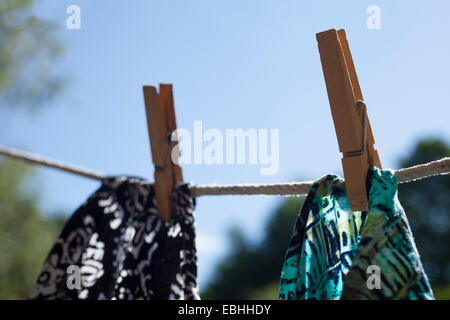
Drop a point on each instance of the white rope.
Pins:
(40, 160)
(281, 189)
(439, 167)
(421, 171)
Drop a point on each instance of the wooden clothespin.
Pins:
(162, 124)
(353, 130)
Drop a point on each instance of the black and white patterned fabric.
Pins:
(122, 250)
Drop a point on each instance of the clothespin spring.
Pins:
(361, 105)
(171, 145)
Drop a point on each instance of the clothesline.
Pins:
(438, 167)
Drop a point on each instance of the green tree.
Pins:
(25, 237)
(28, 49)
(427, 206)
(250, 270)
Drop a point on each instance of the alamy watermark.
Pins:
(234, 146)
(73, 21)
(374, 280)
(74, 277)
(373, 21)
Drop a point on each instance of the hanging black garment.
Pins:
(119, 249)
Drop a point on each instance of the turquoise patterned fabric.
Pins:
(332, 247)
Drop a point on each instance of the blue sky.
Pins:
(233, 64)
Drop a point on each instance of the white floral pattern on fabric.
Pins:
(122, 249)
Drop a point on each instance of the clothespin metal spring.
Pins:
(169, 152)
(361, 105)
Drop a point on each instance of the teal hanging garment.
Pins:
(332, 248)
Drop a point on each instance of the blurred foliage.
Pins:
(268, 292)
(427, 205)
(251, 267)
(25, 237)
(252, 270)
(441, 292)
(28, 49)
